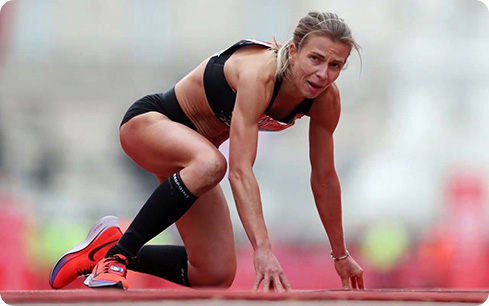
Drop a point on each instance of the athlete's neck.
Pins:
(289, 91)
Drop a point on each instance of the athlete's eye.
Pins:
(315, 59)
(336, 65)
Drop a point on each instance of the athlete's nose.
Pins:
(322, 73)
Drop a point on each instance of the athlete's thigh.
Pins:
(207, 233)
(160, 145)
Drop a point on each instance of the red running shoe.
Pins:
(109, 272)
(80, 260)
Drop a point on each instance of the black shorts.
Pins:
(164, 103)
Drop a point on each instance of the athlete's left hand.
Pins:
(350, 272)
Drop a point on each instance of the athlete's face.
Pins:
(317, 64)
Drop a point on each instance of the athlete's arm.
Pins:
(242, 154)
(325, 114)
(253, 93)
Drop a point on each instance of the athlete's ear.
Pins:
(292, 54)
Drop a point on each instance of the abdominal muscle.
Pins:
(191, 96)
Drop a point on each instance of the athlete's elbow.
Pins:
(237, 174)
(324, 182)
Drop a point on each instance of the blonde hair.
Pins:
(327, 24)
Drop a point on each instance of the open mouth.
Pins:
(314, 85)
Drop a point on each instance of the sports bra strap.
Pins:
(276, 88)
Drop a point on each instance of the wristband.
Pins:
(340, 258)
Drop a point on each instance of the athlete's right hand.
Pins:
(269, 271)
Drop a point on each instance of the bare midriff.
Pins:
(191, 96)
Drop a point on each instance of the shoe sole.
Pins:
(102, 284)
(95, 231)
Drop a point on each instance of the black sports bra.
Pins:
(222, 97)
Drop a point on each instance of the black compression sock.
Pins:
(168, 203)
(165, 261)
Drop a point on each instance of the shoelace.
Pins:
(86, 271)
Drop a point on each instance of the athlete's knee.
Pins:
(221, 276)
(223, 281)
(210, 168)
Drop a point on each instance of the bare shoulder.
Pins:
(326, 108)
(330, 98)
(251, 64)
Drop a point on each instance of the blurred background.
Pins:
(412, 147)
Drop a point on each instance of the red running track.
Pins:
(87, 296)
